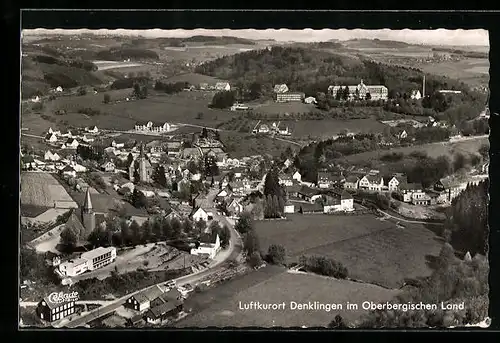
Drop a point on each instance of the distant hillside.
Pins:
(312, 71)
(374, 43)
(464, 53)
(133, 54)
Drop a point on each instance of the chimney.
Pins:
(423, 88)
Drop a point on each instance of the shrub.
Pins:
(107, 98)
(255, 260)
(276, 254)
(324, 266)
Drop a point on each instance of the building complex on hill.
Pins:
(362, 92)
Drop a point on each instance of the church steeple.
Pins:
(141, 151)
(87, 205)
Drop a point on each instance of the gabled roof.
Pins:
(158, 311)
(74, 223)
(373, 178)
(28, 159)
(352, 179)
(411, 186)
(52, 305)
(87, 204)
(208, 238)
(148, 294)
(308, 191)
(346, 195)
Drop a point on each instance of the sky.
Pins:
(431, 37)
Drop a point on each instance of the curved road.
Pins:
(233, 251)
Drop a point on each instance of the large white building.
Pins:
(363, 92)
(154, 127)
(88, 261)
(209, 246)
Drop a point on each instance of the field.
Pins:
(373, 250)
(276, 286)
(240, 145)
(122, 115)
(329, 127)
(472, 71)
(469, 146)
(282, 108)
(193, 79)
(42, 189)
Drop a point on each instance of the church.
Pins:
(143, 167)
(363, 92)
(84, 224)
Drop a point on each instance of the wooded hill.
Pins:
(312, 71)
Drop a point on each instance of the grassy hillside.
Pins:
(375, 44)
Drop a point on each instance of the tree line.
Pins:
(170, 88)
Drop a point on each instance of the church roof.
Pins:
(75, 223)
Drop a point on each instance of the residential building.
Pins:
(406, 191)
(68, 170)
(339, 202)
(199, 214)
(283, 88)
(171, 214)
(310, 100)
(222, 86)
(293, 191)
(420, 198)
(49, 156)
(415, 94)
(264, 128)
(108, 167)
(209, 246)
(371, 183)
(329, 179)
(173, 148)
(237, 186)
(153, 127)
(235, 208)
(396, 181)
(51, 310)
(297, 177)
(158, 314)
(289, 207)
(351, 182)
(285, 179)
(142, 301)
(403, 135)
(308, 194)
(51, 138)
(290, 97)
(71, 143)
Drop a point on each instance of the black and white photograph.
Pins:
(254, 178)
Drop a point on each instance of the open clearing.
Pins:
(472, 71)
(43, 189)
(328, 127)
(282, 108)
(278, 288)
(179, 108)
(469, 146)
(374, 251)
(105, 65)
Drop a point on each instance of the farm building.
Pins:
(56, 307)
(396, 181)
(153, 127)
(415, 94)
(289, 207)
(310, 100)
(351, 182)
(222, 86)
(157, 314)
(339, 202)
(372, 183)
(199, 214)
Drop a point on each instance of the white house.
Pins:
(297, 177)
(208, 246)
(415, 94)
(199, 214)
(117, 145)
(92, 130)
(86, 139)
(49, 156)
(285, 132)
(59, 89)
(35, 99)
(403, 135)
(289, 207)
(407, 190)
(283, 88)
(71, 143)
(235, 208)
(351, 182)
(90, 260)
(142, 301)
(51, 137)
(339, 202)
(222, 86)
(108, 167)
(310, 100)
(285, 179)
(371, 183)
(264, 128)
(68, 170)
(395, 182)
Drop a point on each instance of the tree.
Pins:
(337, 323)
(69, 237)
(271, 183)
(255, 90)
(82, 91)
(245, 223)
(135, 233)
(459, 162)
(136, 175)
(484, 150)
(255, 260)
(199, 115)
(187, 226)
(138, 199)
(224, 236)
(147, 231)
(201, 225)
(340, 94)
(345, 94)
(368, 96)
(223, 99)
(276, 254)
(276, 207)
(167, 229)
(251, 243)
(176, 228)
(130, 159)
(106, 98)
(159, 176)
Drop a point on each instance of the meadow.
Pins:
(42, 189)
(122, 115)
(469, 146)
(271, 107)
(471, 71)
(241, 144)
(373, 250)
(284, 287)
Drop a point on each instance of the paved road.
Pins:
(233, 251)
(410, 221)
(28, 135)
